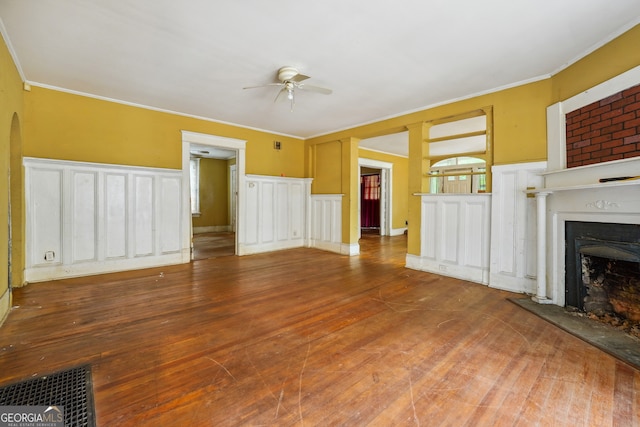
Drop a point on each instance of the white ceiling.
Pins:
(381, 58)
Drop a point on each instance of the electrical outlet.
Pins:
(443, 267)
(49, 256)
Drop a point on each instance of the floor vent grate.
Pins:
(71, 388)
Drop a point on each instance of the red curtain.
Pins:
(370, 201)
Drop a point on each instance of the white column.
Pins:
(541, 293)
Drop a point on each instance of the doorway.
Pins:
(213, 188)
(213, 171)
(370, 200)
(382, 211)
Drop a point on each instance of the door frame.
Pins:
(386, 193)
(239, 146)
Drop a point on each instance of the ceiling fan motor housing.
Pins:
(287, 73)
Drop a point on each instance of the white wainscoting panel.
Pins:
(83, 216)
(88, 218)
(44, 215)
(170, 187)
(326, 222)
(115, 212)
(276, 214)
(513, 226)
(455, 236)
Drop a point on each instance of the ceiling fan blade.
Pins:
(317, 89)
(267, 85)
(280, 92)
(299, 77)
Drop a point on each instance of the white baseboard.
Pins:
(471, 274)
(41, 274)
(398, 231)
(244, 249)
(327, 246)
(522, 285)
(212, 229)
(350, 249)
(5, 305)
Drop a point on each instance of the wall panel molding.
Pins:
(326, 223)
(90, 218)
(455, 236)
(276, 215)
(513, 232)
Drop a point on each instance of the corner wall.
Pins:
(11, 125)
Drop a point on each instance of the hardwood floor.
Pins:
(212, 245)
(306, 337)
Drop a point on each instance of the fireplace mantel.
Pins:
(599, 185)
(581, 200)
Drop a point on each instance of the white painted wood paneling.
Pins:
(115, 215)
(91, 218)
(143, 215)
(326, 222)
(297, 222)
(450, 236)
(284, 228)
(44, 219)
(83, 216)
(249, 223)
(513, 238)
(169, 214)
(475, 230)
(429, 236)
(455, 236)
(277, 214)
(267, 214)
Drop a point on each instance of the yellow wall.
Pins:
(400, 182)
(326, 168)
(519, 113)
(66, 126)
(11, 127)
(612, 59)
(214, 194)
(519, 121)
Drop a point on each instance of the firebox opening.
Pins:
(603, 272)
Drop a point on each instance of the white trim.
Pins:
(12, 52)
(404, 156)
(556, 113)
(598, 45)
(212, 229)
(5, 305)
(195, 212)
(239, 146)
(350, 249)
(398, 231)
(41, 274)
(160, 110)
(437, 104)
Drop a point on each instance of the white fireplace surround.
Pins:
(576, 194)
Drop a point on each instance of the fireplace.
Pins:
(602, 274)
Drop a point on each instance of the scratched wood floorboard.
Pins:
(306, 337)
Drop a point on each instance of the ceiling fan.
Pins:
(290, 81)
